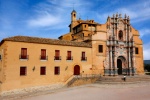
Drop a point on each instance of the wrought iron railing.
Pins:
(83, 58)
(43, 57)
(69, 58)
(57, 57)
(23, 56)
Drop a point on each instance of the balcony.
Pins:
(83, 58)
(57, 57)
(69, 58)
(25, 57)
(43, 57)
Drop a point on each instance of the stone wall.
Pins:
(83, 81)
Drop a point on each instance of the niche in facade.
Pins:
(120, 35)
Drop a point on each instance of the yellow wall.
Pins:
(33, 78)
(98, 58)
(139, 64)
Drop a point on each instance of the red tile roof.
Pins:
(46, 41)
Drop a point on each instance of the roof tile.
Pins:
(46, 41)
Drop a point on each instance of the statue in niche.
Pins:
(120, 35)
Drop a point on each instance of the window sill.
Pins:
(43, 60)
(57, 60)
(69, 60)
(24, 59)
(22, 75)
(83, 60)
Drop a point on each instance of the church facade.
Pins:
(112, 49)
(116, 46)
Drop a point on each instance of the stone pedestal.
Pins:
(115, 71)
(133, 71)
(106, 72)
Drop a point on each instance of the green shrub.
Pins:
(147, 67)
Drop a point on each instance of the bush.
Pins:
(147, 67)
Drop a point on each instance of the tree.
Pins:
(147, 67)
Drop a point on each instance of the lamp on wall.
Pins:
(33, 68)
(66, 68)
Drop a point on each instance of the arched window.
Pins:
(120, 35)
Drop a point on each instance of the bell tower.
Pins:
(73, 20)
(73, 16)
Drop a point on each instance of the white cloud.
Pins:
(121, 11)
(146, 51)
(144, 32)
(52, 13)
(136, 12)
(45, 20)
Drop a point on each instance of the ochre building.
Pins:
(112, 49)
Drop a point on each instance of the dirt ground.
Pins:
(138, 91)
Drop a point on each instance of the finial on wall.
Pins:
(125, 16)
(117, 14)
(120, 15)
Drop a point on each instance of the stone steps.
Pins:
(119, 79)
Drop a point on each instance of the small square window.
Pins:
(43, 71)
(57, 70)
(136, 50)
(100, 48)
(23, 71)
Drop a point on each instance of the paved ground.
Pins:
(139, 91)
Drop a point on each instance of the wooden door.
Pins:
(77, 70)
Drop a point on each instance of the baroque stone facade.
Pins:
(120, 58)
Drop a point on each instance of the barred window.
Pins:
(100, 48)
(57, 70)
(23, 71)
(43, 71)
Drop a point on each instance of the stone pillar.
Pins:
(126, 31)
(129, 61)
(117, 31)
(133, 61)
(110, 68)
(115, 62)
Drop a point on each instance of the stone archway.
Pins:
(121, 64)
(76, 70)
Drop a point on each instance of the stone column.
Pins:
(126, 31)
(110, 68)
(129, 61)
(133, 61)
(117, 31)
(115, 63)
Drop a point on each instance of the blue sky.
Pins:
(50, 18)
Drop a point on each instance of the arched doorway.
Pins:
(76, 70)
(119, 66)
